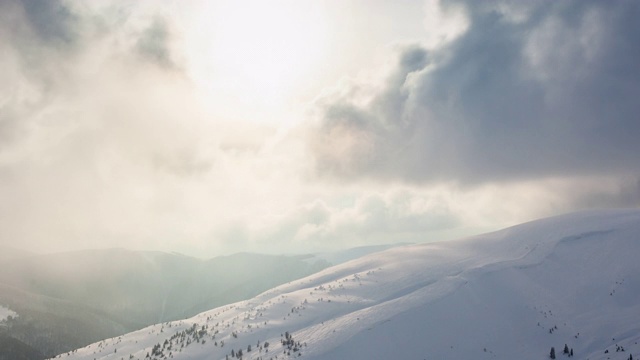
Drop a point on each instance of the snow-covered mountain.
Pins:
(67, 300)
(511, 294)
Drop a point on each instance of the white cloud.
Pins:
(443, 23)
(106, 139)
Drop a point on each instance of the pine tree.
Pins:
(566, 349)
(552, 354)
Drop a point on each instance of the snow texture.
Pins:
(515, 293)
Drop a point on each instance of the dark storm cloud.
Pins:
(53, 22)
(625, 193)
(549, 91)
(42, 35)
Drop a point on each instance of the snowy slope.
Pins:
(515, 293)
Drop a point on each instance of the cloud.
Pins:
(97, 148)
(397, 215)
(111, 136)
(154, 43)
(53, 23)
(105, 141)
(604, 192)
(39, 36)
(526, 92)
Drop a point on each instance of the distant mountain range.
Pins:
(67, 300)
(9, 253)
(569, 283)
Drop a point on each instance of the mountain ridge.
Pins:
(512, 293)
(71, 299)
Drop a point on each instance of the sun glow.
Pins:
(259, 54)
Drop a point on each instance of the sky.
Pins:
(287, 126)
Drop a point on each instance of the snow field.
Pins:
(515, 293)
